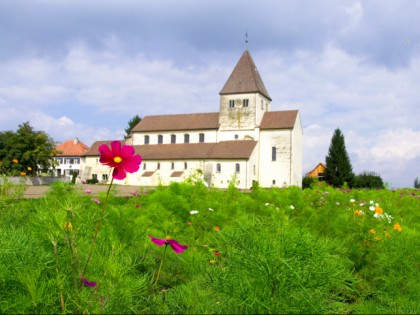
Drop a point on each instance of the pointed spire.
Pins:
(245, 78)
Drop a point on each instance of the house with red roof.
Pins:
(68, 158)
(244, 141)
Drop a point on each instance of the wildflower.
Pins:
(217, 228)
(211, 209)
(68, 226)
(371, 202)
(121, 158)
(267, 204)
(377, 239)
(15, 161)
(398, 227)
(337, 203)
(388, 217)
(137, 205)
(193, 212)
(96, 200)
(372, 208)
(88, 283)
(29, 168)
(88, 191)
(177, 248)
(22, 174)
(212, 261)
(292, 207)
(216, 253)
(372, 231)
(352, 200)
(358, 213)
(378, 212)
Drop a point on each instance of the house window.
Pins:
(95, 176)
(160, 139)
(173, 138)
(59, 161)
(231, 103)
(254, 170)
(273, 153)
(158, 166)
(237, 168)
(76, 161)
(218, 168)
(201, 137)
(185, 165)
(245, 102)
(104, 176)
(186, 138)
(144, 166)
(262, 105)
(172, 165)
(274, 182)
(146, 139)
(69, 161)
(236, 137)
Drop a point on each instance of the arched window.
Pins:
(158, 166)
(201, 137)
(186, 138)
(160, 139)
(273, 153)
(218, 168)
(237, 168)
(173, 138)
(146, 139)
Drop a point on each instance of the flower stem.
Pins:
(98, 226)
(161, 263)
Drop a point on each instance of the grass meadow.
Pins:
(269, 251)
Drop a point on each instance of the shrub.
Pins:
(368, 180)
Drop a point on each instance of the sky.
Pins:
(82, 69)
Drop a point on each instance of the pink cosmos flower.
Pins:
(177, 248)
(121, 158)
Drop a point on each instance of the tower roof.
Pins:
(245, 78)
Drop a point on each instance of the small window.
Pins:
(158, 166)
(185, 165)
(245, 102)
(146, 139)
(201, 137)
(144, 166)
(274, 181)
(236, 137)
(160, 139)
(254, 170)
(186, 138)
(231, 103)
(104, 176)
(273, 154)
(76, 161)
(237, 168)
(173, 138)
(95, 176)
(262, 105)
(218, 168)
(172, 165)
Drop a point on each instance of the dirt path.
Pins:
(38, 191)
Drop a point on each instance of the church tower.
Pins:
(244, 98)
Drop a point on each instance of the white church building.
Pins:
(244, 142)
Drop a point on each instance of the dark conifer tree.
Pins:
(339, 169)
(131, 124)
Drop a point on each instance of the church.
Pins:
(243, 142)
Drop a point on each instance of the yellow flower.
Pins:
(378, 211)
(68, 226)
(372, 231)
(212, 261)
(358, 213)
(15, 161)
(377, 238)
(22, 174)
(398, 227)
(217, 228)
(29, 168)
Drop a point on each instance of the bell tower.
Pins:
(244, 98)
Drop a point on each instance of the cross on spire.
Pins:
(246, 39)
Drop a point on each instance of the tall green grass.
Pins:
(268, 251)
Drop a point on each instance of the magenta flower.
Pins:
(96, 200)
(88, 191)
(177, 248)
(121, 158)
(88, 283)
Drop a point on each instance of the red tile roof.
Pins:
(178, 122)
(72, 147)
(279, 120)
(245, 78)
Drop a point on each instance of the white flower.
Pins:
(361, 204)
(372, 208)
(267, 204)
(352, 200)
(292, 207)
(193, 212)
(211, 209)
(337, 203)
(371, 202)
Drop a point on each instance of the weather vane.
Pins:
(246, 39)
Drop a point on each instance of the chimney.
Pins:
(75, 141)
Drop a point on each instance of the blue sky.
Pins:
(76, 68)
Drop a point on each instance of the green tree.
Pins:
(339, 169)
(417, 183)
(131, 124)
(33, 150)
(368, 180)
